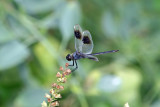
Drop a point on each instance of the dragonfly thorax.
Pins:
(77, 55)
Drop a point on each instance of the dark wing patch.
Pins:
(77, 34)
(78, 38)
(87, 46)
(86, 40)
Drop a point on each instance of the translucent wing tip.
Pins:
(77, 27)
(86, 33)
(78, 31)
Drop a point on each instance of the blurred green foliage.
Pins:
(36, 35)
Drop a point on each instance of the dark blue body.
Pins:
(78, 55)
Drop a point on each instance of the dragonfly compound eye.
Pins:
(68, 57)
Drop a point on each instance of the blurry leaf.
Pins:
(52, 21)
(131, 80)
(109, 25)
(156, 5)
(91, 82)
(109, 83)
(100, 104)
(129, 21)
(39, 6)
(5, 35)
(12, 53)
(77, 90)
(31, 97)
(156, 104)
(46, 60)
(19, 30)
(71, 15)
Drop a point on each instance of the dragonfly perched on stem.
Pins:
(84, 46)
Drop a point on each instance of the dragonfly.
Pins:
(84, 46)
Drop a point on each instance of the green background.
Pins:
(36, 35)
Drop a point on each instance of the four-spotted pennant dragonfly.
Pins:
(83, 46)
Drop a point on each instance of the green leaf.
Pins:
(39, 6)
(5, 35)
(51, 21)
(109, 25)
(18, 29)
(12, 54)
(31, 97)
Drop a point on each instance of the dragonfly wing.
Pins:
(87, 46)
(78, 38)
(92, 57)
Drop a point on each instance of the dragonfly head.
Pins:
(69, 57)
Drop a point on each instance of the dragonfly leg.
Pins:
(72, 64)
(76, 66)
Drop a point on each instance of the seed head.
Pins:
(68, 71)
(55, 103)
(49, 99)
(52, 91)
(44, 104)
(61, 68)
(54, 85)
(58, 87)
(57, 96)
(66, 65)
(59, 80)
(64, 79)
(47, 95)
(58, 74)
(61, 87)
